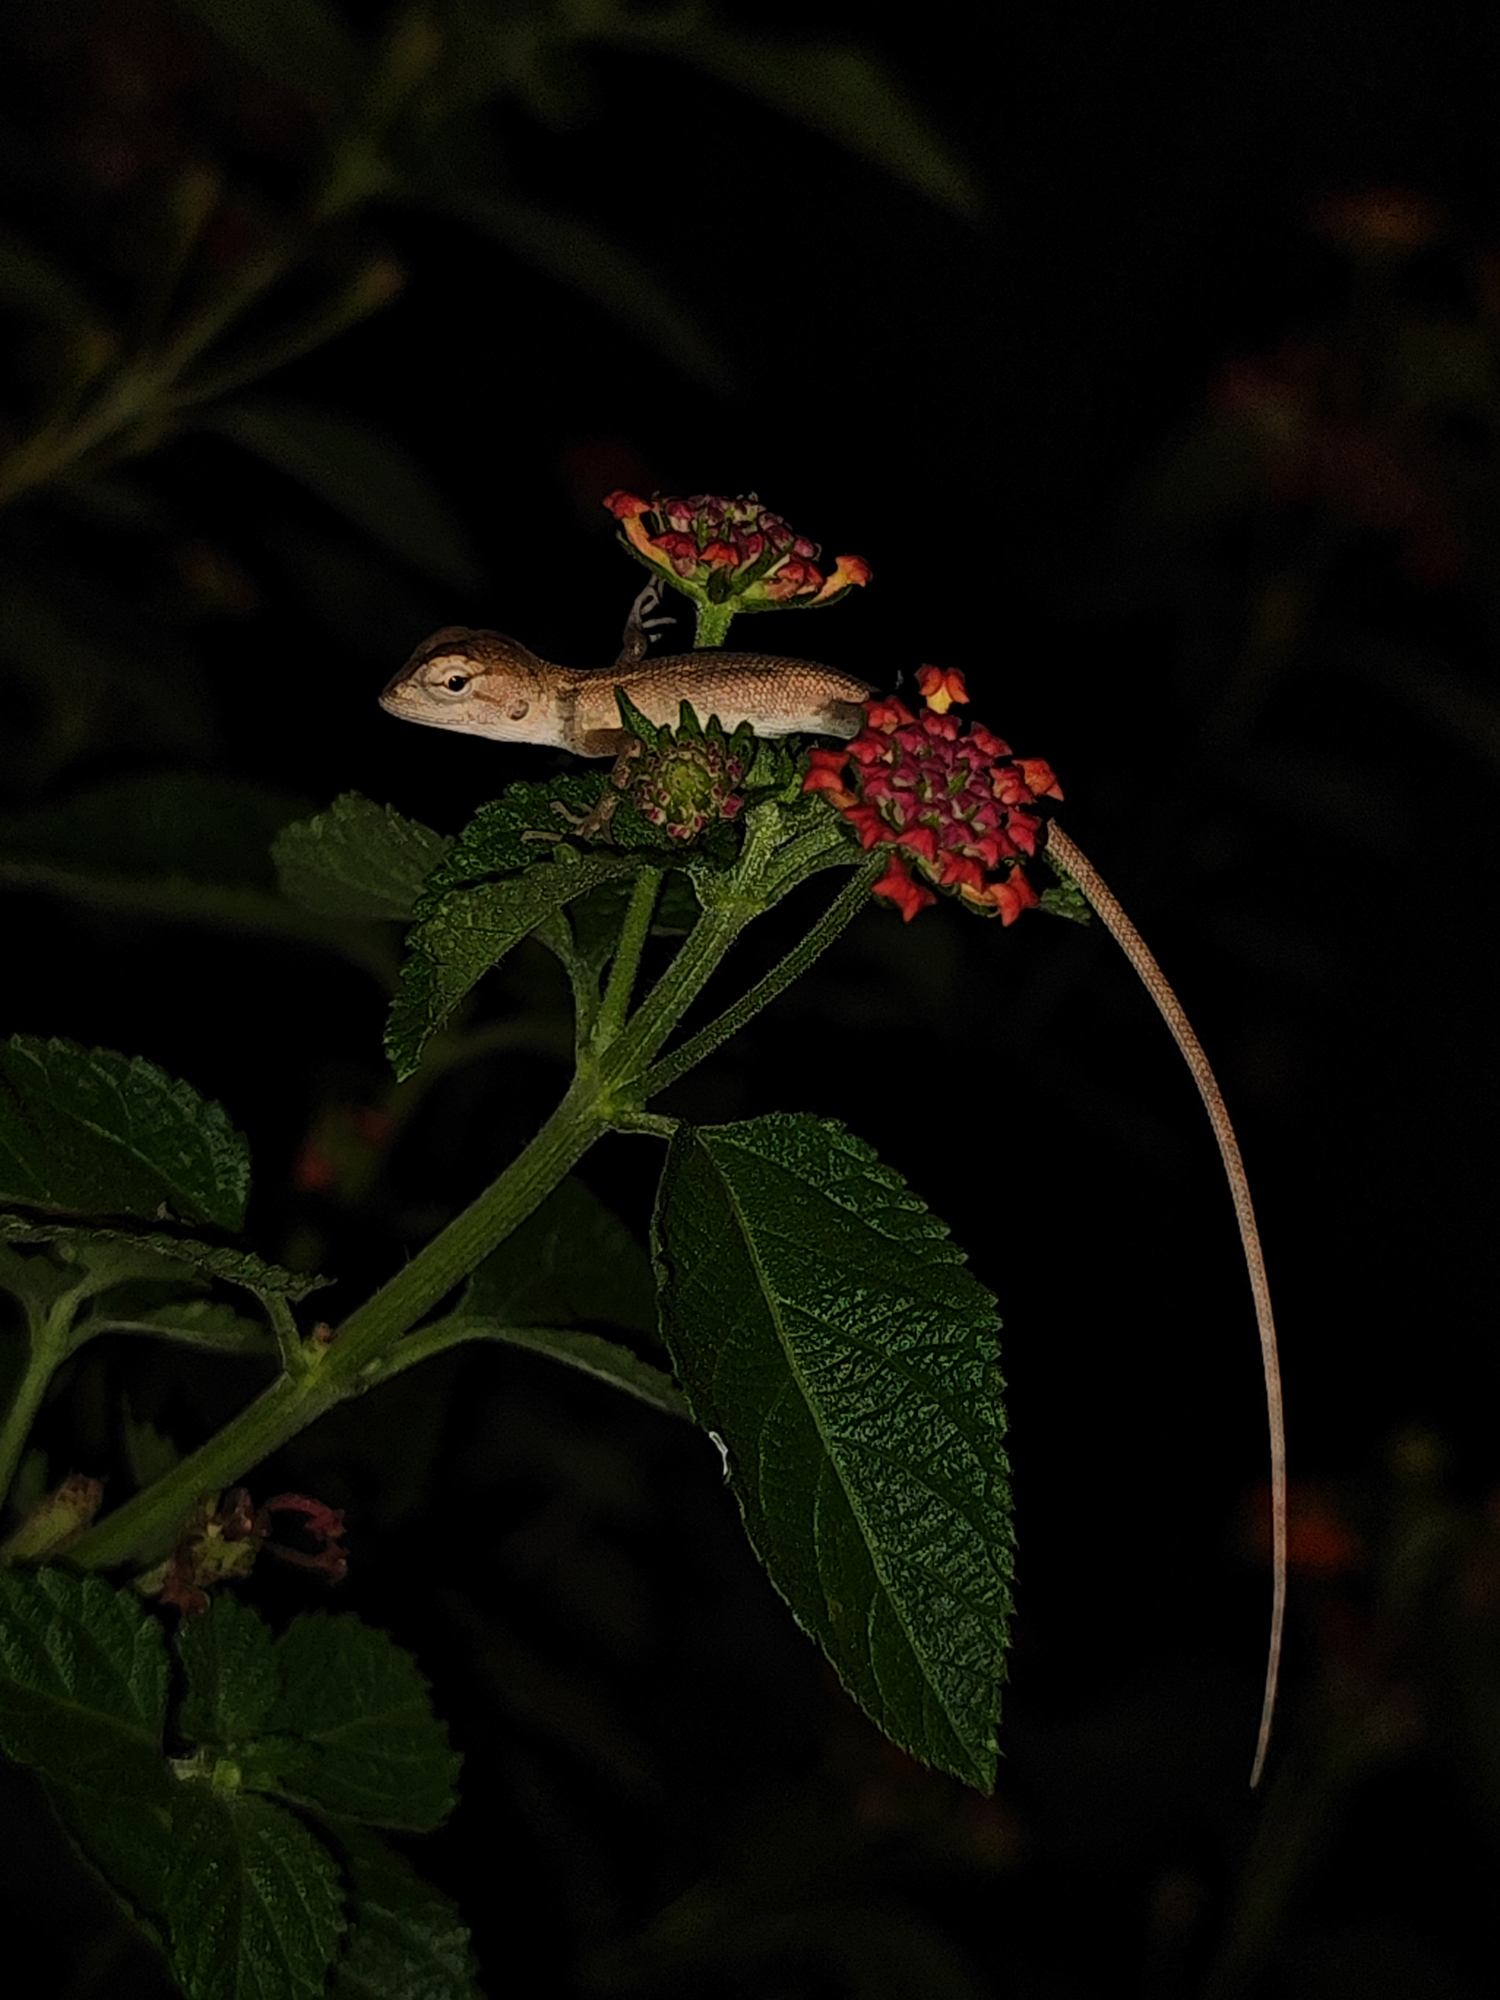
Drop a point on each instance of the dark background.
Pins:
(1176, 426)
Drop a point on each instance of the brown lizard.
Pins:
(485, 684)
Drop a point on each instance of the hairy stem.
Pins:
(836, 918)
(627, 959)
(1077, 864)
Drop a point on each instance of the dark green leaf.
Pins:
(236, 1267)
(570, 1260)
(406, 1942)
(177, 824)
(355, 1728)
(360, 473)
(206, 1324)
(301, 43)
(233, 1674)
(601, 270)
(127, 1838)
(824, 1326)
(92, 1132)
(471, 930)
(357, 860)
(83, 1682)
(835, 88)
(524, 825)
(45, 291)
(254, 1908)
(591, 1354)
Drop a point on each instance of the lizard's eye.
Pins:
(456, 683)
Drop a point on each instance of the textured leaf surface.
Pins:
(83, 1681)
(406, 1942)
(233, 1674)
(469, 931)
(823, 1324)
(360, 1737)
(572, 1259)
(215, 1260)
(357, 860)
(254, 1904)
(92, 1132)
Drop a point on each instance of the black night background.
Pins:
(1151, 356)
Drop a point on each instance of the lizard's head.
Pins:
(479, 682)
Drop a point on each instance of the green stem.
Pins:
(288, 1338)
(836, 918)
(634, 931)
(607, 1091)
(50, 1344)
(713, 623)
(144, 1526)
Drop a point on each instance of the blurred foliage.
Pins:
(194, 196)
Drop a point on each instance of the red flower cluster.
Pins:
(954, 806)
(731, 549)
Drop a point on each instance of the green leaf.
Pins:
(301, 43)
(824, 1326)
(355, 1728)
(253, 1903)
(601, 270)
(369, 480)
(470, 930)
(233, 1674)
(526, 824)
(357, 860)
(83, 1682)
(178, 824)
(208, 1325)
(406, 1942)
(236, 1267)
(571, 1259)
(92, 1132)
(833, 87)
(47, 292)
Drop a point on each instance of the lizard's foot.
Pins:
(640, 624)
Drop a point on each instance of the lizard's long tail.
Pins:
(1130, 941)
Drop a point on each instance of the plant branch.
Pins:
(634, 931)
(836, 918)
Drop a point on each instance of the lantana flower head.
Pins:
(955, 807)
(721, 551)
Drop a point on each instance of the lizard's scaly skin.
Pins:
(511, 695)
(1077, 864)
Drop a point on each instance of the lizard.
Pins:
(485, 684)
